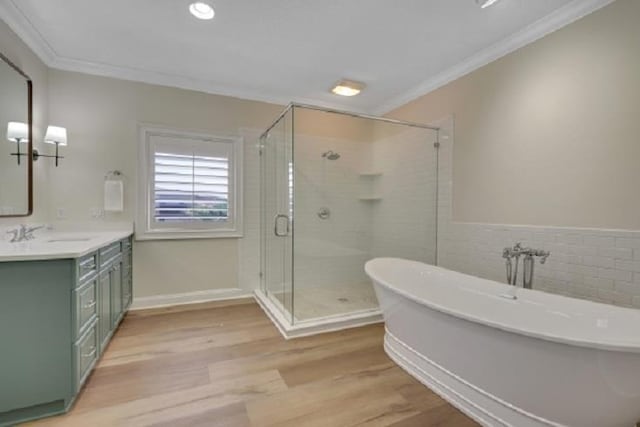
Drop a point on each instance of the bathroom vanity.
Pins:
(62, 297)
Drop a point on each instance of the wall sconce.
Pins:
(19, 133)
(55, 135)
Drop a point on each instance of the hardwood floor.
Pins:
(227, 365)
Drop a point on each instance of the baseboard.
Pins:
(336, 323)
(159, 301)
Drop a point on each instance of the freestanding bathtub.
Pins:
(538, 360)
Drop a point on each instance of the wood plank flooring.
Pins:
(226, 365)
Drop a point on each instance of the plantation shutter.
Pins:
(192, 182)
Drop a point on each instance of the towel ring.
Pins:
(113, 174)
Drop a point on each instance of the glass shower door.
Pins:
(277, 215)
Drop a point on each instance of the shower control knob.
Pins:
(324, 213)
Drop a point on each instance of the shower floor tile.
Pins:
(331, 300)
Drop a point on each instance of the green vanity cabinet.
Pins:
(111, 279)
(56, 319)
(35, 338)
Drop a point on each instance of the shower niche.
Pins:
(338, 189)
(370, 186)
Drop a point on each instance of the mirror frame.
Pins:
(29, 156)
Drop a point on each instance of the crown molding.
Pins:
(175, 81)
(22, 26)
(550, 23)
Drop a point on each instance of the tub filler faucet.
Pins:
(512, 260)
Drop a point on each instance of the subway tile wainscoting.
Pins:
(601, 265)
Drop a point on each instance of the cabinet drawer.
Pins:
(109, 253)
(86, 354)
(87, 267)
(86, 305)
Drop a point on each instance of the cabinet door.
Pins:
(116, 294)
(127, 288)
(128, 297)
(104, 313)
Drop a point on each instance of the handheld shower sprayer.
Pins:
(508, 264)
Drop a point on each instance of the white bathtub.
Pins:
(539, 360)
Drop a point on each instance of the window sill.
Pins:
(187, 235)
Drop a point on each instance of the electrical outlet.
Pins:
(96, 213)
(61, 213)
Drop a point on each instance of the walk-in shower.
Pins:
(371, 194)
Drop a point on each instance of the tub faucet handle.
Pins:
(543, 256)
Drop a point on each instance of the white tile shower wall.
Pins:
(404, 218)
(330, 251)
(595, 264)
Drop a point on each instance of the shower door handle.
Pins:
(275, 225)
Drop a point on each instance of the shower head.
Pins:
(330, 155)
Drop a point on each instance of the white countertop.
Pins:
(59, 244)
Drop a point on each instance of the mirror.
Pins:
(16, 185)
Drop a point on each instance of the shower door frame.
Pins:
(271, 223)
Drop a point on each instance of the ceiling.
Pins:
(287, 50)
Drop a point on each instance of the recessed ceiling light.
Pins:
(486, 3)
(348, 88)
(201, 10)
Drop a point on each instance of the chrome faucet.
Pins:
(528, 263)
(22, 233)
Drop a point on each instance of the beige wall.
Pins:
(550, 134)
(102, 117)
(13, 48)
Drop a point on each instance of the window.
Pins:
(190, 185)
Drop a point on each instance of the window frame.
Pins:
(144, 224)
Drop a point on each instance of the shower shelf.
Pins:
(370, 174)
(370, 186)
